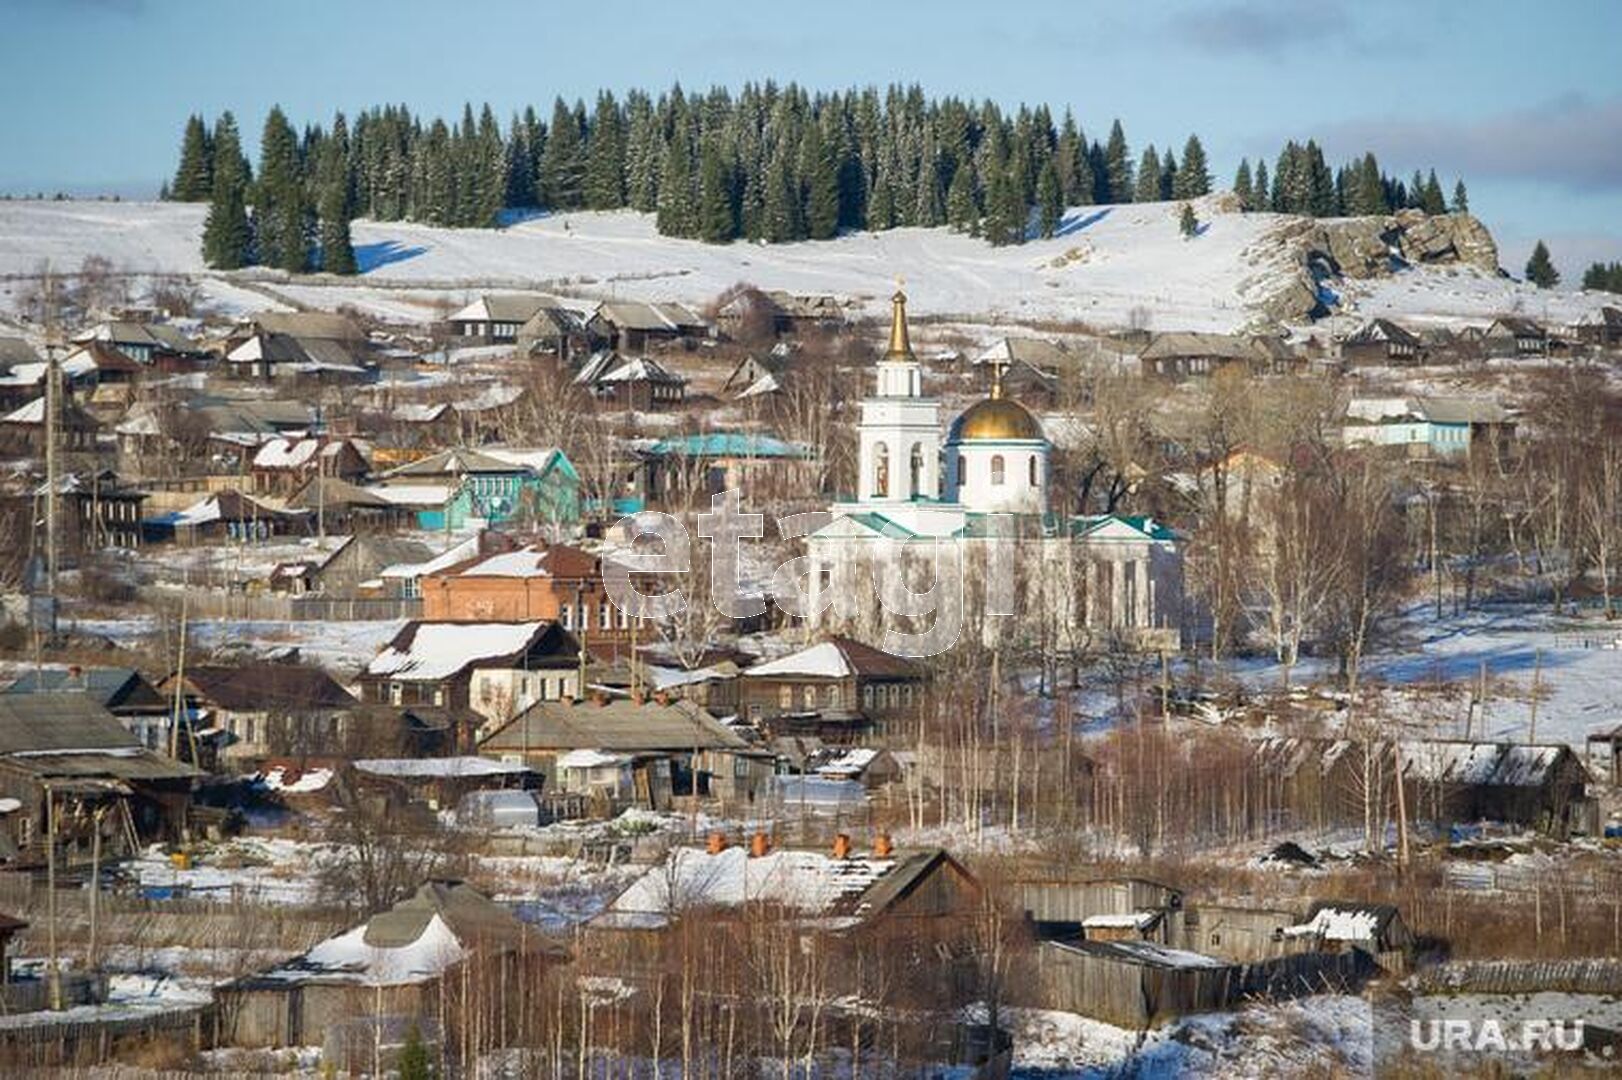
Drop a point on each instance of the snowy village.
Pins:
(742, 575)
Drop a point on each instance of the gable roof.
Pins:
(1382, 331)
(109, 687)
(57, 723)
(621, 724)
(837, 658)
(309, 324)
(16, 350)
(503, 307)
(262, 687)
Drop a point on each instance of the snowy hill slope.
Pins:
(1110, 266)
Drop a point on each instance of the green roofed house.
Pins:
(493, 484)
(716, 461)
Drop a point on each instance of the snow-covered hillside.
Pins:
(1110, 266)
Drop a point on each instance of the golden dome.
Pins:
(995, 418)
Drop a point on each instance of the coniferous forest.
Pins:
(768, 164)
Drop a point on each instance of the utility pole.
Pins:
(53, 394)
(50, 898)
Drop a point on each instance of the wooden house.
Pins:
(632, 326)
(283, 465)
(1381, 342)
(264, 709)
(494, 319)
(647, 751)
(446, 956)
(1185, 354)
(1516, 336)
(225, 515)
(837, 689)
(65, 752)
(642, 384)
(122, 691)
(494, 669)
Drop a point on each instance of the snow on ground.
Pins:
(340, 647)
(265, 869)
(1320, 1035)
(1108, 265)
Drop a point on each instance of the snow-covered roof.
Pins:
(1131, 920)
(411, 494)
(461, 552)
(310, 780)
(1338, 924)
(419, 414)
(850, 763)
(282, 453)
(823, 660)
(31, 413)
(807, 881)
(431, 652)
(466, 766)
(590, 759)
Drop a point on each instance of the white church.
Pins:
(1083, 583)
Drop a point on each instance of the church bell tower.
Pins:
(900, 429)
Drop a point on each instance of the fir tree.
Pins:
(562, 164)
(1148, 189)
(881, 209)
(1005, 209)
(962, 203)
(1117, 167)
(929, 207)
(1168, 176)
(781, 216)
(1049, 200)
(1461, 199)
(1540, 269)
(678, 213)
(1187, 222)
(605, 157)
(414, 1063)
(334, 204)
(194, 179)
(227, 237)
(1261, 195)
(718, 221)
(1241, 186)
(1432, 201)
(279, 200)
(1194, 175)
(819, 173)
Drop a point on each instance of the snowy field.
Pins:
(1109, 266)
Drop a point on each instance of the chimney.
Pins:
(637, 698)
(716, 843)
(882, 847)
(662, 697)
(759, 844)
(568, 699)
(842, 846)
(599, 698)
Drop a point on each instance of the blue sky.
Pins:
(1523, 99)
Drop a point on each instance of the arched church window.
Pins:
(999, 470)
(962, 470)
(917, 469)
(881, 470)
(1033, 470)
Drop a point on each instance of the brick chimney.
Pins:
(842, 846)
(760, 844)
(882, 847)
(662, 697)
(716, 843)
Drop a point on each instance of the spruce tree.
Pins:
(1241, 186)
(929, 206)
(781, 217)
(334, 205)
(819, 173)
(962, 204)
(1194, 174)
(1461, 198)
(1049, 200)
(194, 179)
(1148, 189)
(1187, 222)
(1168, 176)
(1261, 195)
(1540, 269)
(279, 198)
(605, 157)
(1005, 209)
(881, 208)
(1433, 200)
(718, 221)
(227, 238)
(1117, 166)
(562, 164)
(678, 212)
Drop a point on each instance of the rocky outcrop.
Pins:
(1312, 252)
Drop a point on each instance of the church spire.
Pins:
(900, 344)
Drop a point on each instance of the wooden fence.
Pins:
(1599, 975)
(225, 604)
